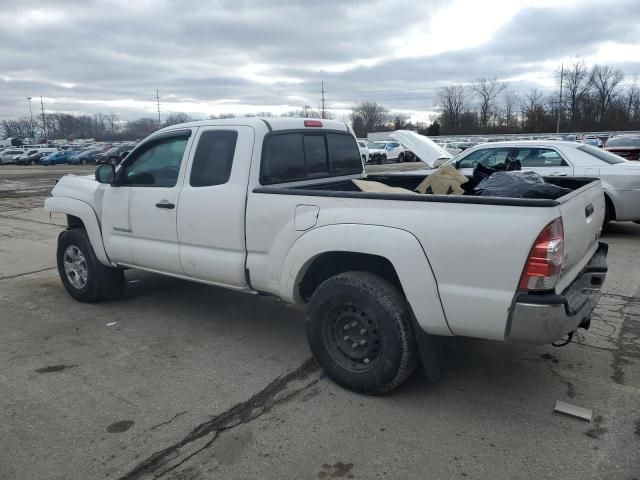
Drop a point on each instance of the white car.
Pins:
(383, 151)
(10, 155)
(620, 178)
(364, 150)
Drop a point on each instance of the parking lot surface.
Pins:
(187, 381)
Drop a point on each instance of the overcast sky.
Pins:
(241, 56)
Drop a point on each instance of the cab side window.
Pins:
(213, 158)
(156, 164)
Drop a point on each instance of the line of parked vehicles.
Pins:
(72, 154)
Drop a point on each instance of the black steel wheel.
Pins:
(359, 331)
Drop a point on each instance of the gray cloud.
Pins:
(200, 51)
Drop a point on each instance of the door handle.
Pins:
(165, 204)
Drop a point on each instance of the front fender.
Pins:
(400, 247)
(82, 210)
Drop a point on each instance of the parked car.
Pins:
(57, 158)
(364, 150)
(113, 155)
(10, 155)
(33, 156)
(626, 146)
(382, 274)
(87, 156)
(382, 152)
(620, 178)
(594, 142)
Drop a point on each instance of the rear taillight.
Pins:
(545, 259)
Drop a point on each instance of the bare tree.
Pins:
(533, 112)
(510, 101)
(20, 128)
(487, 90)
(175, 118)
(400, 120)
(576, 82)
(606, 84)
(453, 103)
(373, 116)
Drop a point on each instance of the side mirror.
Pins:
(106, 173)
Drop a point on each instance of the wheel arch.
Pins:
(80, 215)
(392, 253)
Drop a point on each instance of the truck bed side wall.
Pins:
(476, 252)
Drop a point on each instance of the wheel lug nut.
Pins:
(346, 338)
(363, 331)
(347, 326)
(366, 360)
(354, 324)
(354, 345)
(363, 342)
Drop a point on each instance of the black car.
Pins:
(113, 155)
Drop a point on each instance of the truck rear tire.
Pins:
(358, 328)
(82, 274)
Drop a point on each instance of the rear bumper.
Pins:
(543, 319)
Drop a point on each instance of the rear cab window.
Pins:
(295, 156)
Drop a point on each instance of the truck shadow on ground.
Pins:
(469, 365)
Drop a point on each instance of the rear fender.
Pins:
(400, 247)
(82, 210)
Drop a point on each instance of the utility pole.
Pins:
(31, 117)
(158, 102)
(44, 125)
(323, 106)
(560, 101)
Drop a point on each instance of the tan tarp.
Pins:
(377, 187)
(446, 180)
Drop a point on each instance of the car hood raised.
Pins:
(423, 147)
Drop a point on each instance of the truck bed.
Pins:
(347, 189)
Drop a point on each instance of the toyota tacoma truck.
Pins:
(269, 206)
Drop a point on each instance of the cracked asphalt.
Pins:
(186, 381)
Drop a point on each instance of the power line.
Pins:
(158, 103)
(323, 107)
(44, 125)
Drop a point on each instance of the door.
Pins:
(139, 213)
(546, 161)
(211, 208)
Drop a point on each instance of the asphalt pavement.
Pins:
(188, 381)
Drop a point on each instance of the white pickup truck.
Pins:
(269, 206)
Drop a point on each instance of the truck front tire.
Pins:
(82, 275)
(359, 331)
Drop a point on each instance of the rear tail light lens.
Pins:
(545, 259)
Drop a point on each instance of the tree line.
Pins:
(109, 126)
(595, 98)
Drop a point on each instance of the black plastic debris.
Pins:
(517, 184)
(482, 171)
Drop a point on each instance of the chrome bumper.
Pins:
(545, 318)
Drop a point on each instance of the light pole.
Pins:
(31, 117)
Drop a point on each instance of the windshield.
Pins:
(608, 157)
(624, 142)
(377, 145)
